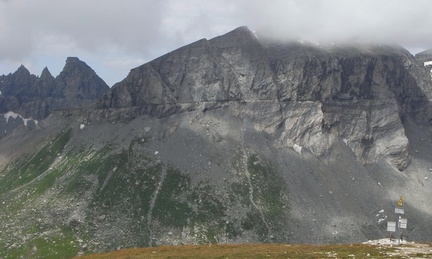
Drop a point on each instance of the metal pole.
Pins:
(398, 230)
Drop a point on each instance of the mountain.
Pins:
(424, 56)
(292, 82)
(77, 86)
(236, 139)
(25, 97)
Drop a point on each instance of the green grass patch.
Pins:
(171, 207)
(62, 245)
(27, 170)
(240, 190)
(269, 188)
(208, 204)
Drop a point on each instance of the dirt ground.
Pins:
(404, 249)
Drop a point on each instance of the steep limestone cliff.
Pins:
(319, 94)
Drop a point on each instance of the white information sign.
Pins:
(403, 223)
(399, 210)
(391, 226)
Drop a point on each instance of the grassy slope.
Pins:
(125, 182)
(265, 251)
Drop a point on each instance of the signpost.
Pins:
(399, 210)
(403, 223)
(391, 226)
(396, 227)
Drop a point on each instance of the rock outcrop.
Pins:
(77, 86)
(424, 56)
(34, 98)
(316, 94)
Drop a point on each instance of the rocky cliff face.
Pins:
(316, 95)
(77, 86)
(28, 97)
(424, 56)
(231, 140)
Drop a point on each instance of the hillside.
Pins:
(236, 139)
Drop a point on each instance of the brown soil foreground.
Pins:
(407, 250)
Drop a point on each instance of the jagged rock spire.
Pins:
(76, 86)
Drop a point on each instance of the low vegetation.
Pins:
(26, 170)
(265, 251)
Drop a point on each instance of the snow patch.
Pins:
(382, 219)
(82, 126)
(16, 115)
(297, 148)
(11, 114)
(428, 63)
(381, 216)
(385, 241)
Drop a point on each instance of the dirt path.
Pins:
(413, 250)
(405, 249)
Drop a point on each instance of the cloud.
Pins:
(89, 25)
(79, 28)
(131, 30)
(401, 21)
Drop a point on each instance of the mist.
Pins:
(407, 23)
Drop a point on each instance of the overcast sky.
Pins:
(113, 36)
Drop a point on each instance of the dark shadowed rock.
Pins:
(45, 85)
(18, 83)
(32, 97)
(77, 86)
(79, 83)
